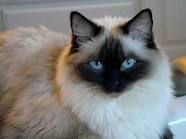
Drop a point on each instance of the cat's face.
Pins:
(111, 58)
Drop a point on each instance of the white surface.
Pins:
(178, 119)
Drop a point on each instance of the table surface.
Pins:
(177, 121)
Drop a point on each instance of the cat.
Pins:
(109, 80)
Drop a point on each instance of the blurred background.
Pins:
(169, 28)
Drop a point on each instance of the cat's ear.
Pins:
(82, 27)
(140, 26)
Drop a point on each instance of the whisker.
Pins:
(145, 89)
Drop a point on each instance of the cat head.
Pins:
(111, 54)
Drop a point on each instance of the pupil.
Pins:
(128, 61)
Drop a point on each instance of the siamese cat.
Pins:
(109, 80)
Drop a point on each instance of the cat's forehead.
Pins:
(111, 41)
(112, 47)
(114, 37)
(116, 45)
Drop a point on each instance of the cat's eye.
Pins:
(127, 64)
(96, 65)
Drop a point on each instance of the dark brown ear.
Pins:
(140, 26)
(82, 29)
(81, 26)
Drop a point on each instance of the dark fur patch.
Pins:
(150, 42)
(76, 40)
(126, 27)
(111, 78)
(167, 134)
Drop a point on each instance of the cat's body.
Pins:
(41, 96)
(29, 102)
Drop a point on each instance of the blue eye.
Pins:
(127, 64)
(96, 65)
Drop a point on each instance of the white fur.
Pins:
(133, 45)
(109, 22)
(141, 112)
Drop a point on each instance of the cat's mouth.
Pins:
(114, 95)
